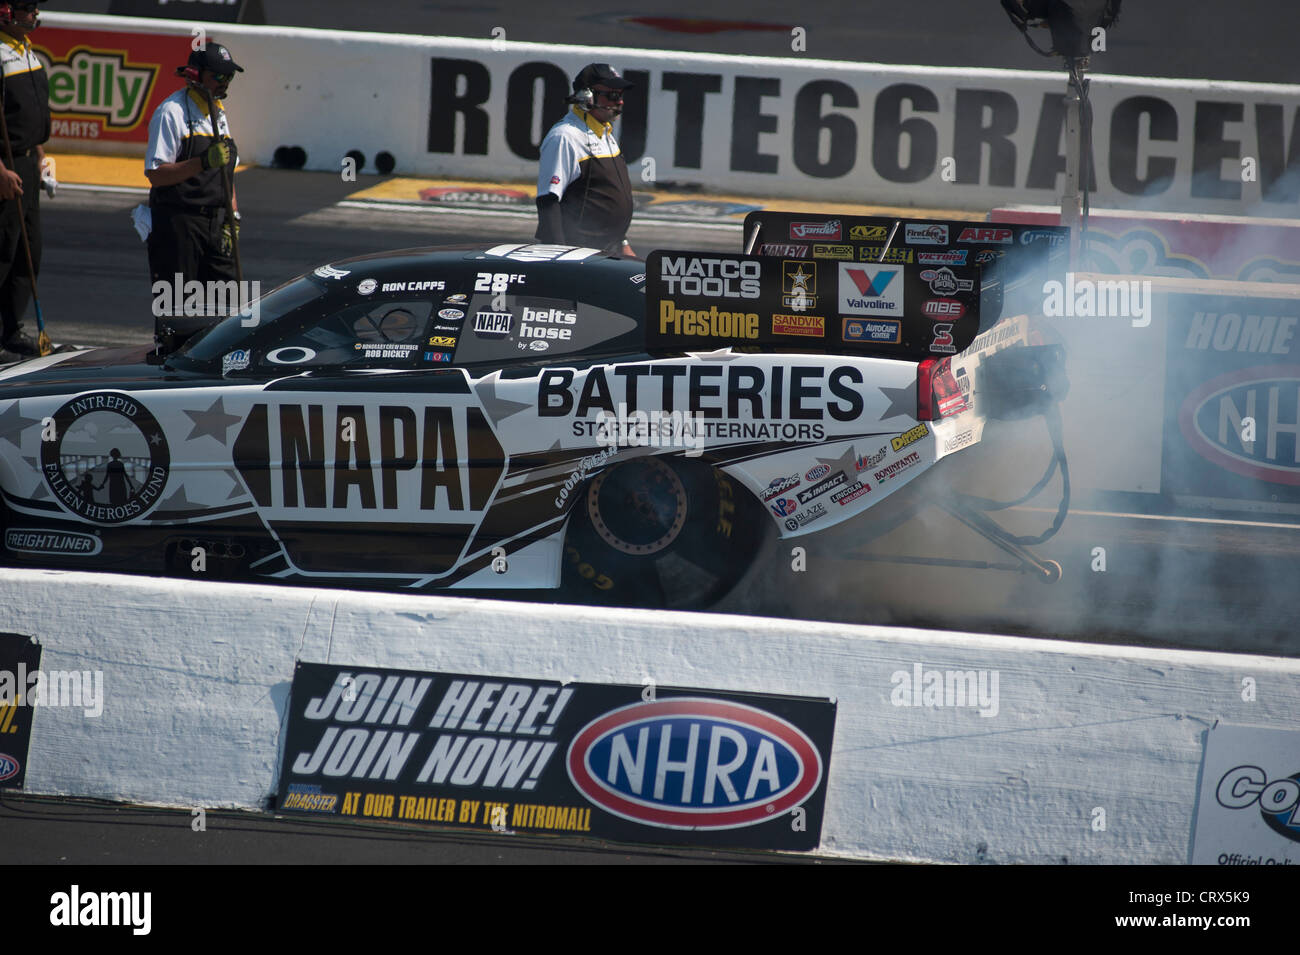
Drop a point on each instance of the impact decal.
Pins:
(106, 458)
(679, 767)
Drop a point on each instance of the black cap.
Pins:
(600, 74)
(214, 57)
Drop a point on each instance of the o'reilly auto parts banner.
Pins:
(105, 86)
(1232, 398)
(671, 766)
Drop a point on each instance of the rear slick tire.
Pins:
(660, 532)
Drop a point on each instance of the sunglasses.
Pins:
(614, 96)
(223, 77)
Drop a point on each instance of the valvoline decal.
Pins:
(1213, 422)
(693, 763)
(8, 767)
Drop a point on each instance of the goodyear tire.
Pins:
(660, 532)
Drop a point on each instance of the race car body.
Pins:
(481, 418)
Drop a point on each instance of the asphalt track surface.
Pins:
(1211, 583)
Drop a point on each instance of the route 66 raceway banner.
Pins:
(672, 766)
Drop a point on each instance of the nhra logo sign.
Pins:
(694, 763)
(1214, 422)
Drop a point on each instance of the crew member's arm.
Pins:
(550, 224)
(11, 184)
(557, 168)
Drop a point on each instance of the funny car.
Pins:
(514, 416)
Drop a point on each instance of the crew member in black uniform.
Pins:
(26, 91)
(584, 195)
(183, 163)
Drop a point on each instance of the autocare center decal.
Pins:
(630, 763)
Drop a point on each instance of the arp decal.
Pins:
(693, 763)
(972, 234)
(108, 459)
(1212, 421)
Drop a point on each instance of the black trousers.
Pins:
(188, 241)
(15, 285)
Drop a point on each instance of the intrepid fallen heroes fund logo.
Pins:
(105, 457)
(639, 764)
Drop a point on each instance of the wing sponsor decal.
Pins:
(870, 290)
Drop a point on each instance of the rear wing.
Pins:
(703, 301)
(1016, 258)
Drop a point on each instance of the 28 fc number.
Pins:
(495, 281)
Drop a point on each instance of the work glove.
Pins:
(216, 155)
(227, 243)
(47, 178)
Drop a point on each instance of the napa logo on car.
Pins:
(8, 767)
(694, 763)
(1213, 421)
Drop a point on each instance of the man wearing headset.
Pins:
(183, 163)
(25, 89)
(584, 195)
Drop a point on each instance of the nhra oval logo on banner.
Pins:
(1245, 421)
(690, 763)
(104, 457)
